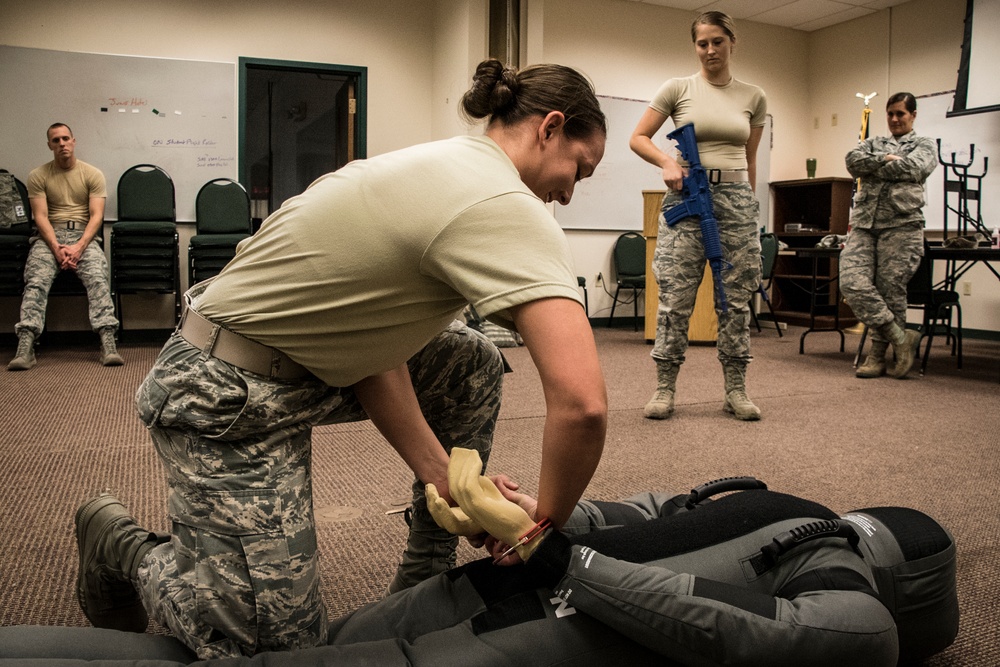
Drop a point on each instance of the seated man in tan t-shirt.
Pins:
(67, 202)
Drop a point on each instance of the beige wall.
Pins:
(393, 39)
(629, 49)
(913, 47)
(420, 54)
(460, 40)
(416, 58)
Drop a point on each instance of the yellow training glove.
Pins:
(483, 503)
(452, 519)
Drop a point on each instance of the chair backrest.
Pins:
(222, 207)
(768, 254)
(630, 255)
(146, 192)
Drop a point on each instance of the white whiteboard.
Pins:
(957, 134)
(985, 53)
(123, 110)
(611, 199)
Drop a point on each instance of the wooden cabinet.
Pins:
(805, 211)
(704, 324)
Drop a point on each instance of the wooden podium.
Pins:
(704, 324)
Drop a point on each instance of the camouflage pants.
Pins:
(679, 266)
(240, 574)
(40, 272)
(875, 267)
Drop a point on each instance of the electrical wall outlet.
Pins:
(966, 288)
(599, 279)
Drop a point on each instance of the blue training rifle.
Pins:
(698, 202)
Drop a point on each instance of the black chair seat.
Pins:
(210, 262)
(201, 241)
(942, 297)
(11, 242)
(634, 282)
(132, 268)
(143, 227)
(137, 286)
(143, 252)
(213, 255)
(20, 229)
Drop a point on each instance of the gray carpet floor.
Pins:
(68, 429)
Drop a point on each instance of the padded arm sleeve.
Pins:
(591, 515)
(701, 622)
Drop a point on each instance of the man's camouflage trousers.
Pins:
(40, 271)
(240, 574)
(679, 266)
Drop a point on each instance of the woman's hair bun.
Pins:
(494, 90)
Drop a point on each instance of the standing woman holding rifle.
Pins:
(728, 116)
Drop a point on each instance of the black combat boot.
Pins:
(111, 547)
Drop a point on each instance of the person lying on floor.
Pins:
(752, 577)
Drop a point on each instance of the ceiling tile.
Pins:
(741, 9)
(882, 4)
(679, 4)
(800, 14)
(834, 19)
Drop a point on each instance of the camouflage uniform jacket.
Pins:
(891, 193)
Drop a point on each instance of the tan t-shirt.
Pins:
(67, 192)
(722, 116)
(358, 273)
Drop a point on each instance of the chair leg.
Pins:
(770, 309)
(177, 282)
(930, 324)
(958, 307)
(635, 310)
(614, 302)
(753, 316)
(861, 345)
(118, 311)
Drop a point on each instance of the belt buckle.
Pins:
(714, 176)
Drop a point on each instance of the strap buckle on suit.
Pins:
(239, 351)
(728, 176)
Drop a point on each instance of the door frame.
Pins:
(360, 74)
